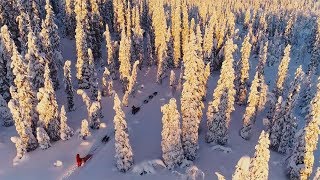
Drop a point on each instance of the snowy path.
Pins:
(93, 151)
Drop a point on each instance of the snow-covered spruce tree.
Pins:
(85, 98)
(94, 115)
(43, 138)
(315, 53)
(96, 30)
(149, 58)
(259, 166)
(93, 80)
(242, 169)
(263, 54)
(185, 26)
(107, 83)
(24, 28)
(70, 18)
(282, 72)
(172, 152)
(191, 97)
(99, 104)
(288, 33)
(290, 122)
(128, 16)
(119, 15)
(176, 31)
(110, 53)
(6, 52)
(48, 108)
(137, 39)
(20, 147)
(160, 31)
(28, 141)
(66, 132)
(82, 64)
(5, 114)
(68, 88)
(280, 82)
(308, 92)
(275, 126)
(84, 132)
(36, 62)
(131, 86)
(35, 21)
(124, 155)
(301, 160)
(8, 14)
(208, 41)
(23, 91)
(243, 74)
(249, 117)
(217, 121)
(51, 43)
(124, 59)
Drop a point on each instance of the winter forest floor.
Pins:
(144, 133)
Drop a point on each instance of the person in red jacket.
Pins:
(79, 160)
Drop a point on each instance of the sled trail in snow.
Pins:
(94, 150)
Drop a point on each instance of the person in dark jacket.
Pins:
(79, 160)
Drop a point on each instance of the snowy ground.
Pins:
(144, 133)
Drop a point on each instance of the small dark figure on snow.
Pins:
(135, 109)
(79, 160)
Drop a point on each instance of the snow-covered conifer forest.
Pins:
(160, 89)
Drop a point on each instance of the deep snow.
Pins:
(144, 133)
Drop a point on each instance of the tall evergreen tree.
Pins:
(301, 160)
(82, 44)
(219, 119)
(160, 29)
(280, 82)
(110, 53)
(48, 108)
(68, 88)
(131, 86)
(243, 71)
(36, 62)
(315, 53)
(96, 30)
(28, 141)
(93, 80)
(24, 92)
(172, 151)
(107, 83)
(51, 44)
(6, 78)
(24, 28)
(8, 14)
(70, 18)
(191, 97)
(124, 155)
(43, 138)
(66, 132)
(290, 122)
(124, 59)
(259, 166)
(176, 31)
(250, 114)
